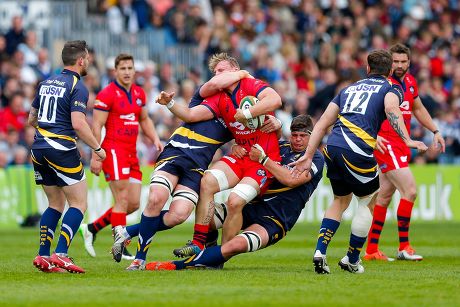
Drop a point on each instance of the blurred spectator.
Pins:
(30, 48)
(43, 67)
(15, 35)
(13, 117)
(122, 18)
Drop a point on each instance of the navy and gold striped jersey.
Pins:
(361, 114)
(200, 140)
(57, 97)
(287, 203)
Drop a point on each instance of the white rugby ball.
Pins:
(255, 122)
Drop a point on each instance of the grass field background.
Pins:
(281, 275)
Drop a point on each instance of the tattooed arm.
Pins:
(33, 117)
(396, 120)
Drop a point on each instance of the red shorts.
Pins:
(121, 164)
(245, 167)
(395, 157)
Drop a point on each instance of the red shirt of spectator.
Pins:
(122, 126)
(13, 116)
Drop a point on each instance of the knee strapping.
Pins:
(161, 181)
(220, 177)
(187, 195)
(245, 191)
(253, 240)
(362, 220)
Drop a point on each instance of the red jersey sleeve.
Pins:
(252, 86)
(213, 104)
(104, 100)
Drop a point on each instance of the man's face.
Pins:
(224, 66)
(299, 140)
(125, 73)
(84, 64)
(400, 64)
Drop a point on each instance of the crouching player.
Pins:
(266, 219)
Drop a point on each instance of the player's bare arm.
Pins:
(422, 115)
(33, 117)
(188, 115)
(149, 130)
(281, 173)
(396, 120)
(81, 127)
(222, 81)
(327, 119)
(269, 101)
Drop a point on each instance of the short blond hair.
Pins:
(219, 57)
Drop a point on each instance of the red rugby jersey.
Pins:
(410, 88)
(122, 126)
(225, 106)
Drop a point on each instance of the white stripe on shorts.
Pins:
(393, 157)
(115, 164)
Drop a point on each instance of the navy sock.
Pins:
(326, 232)
(133, 230)
(147, 229)
(356, 245)
(211, 257)
(48, 223)
(70, 223)
(161, 224)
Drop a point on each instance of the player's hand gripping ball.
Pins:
(254, 122)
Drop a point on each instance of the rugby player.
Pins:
(357, 113)
(58, 112)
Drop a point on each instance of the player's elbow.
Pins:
(78, 125)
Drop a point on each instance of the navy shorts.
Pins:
(350, 172)
(55, 167)
(174, 162)
(258, 213)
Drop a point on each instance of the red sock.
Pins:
(102, 221)
(404, 213)
(200, 233)
(118, 218)
(378, 221)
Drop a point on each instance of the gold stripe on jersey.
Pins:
(75, 80)
(278, 190)
(163, 160)
(182, 131)
(326, 153)
(71, 170)
(198, 170)
(358, 169)
(33, 159)
(363, 135)
(53, 135)
(277, 223)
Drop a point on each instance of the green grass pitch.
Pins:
(281, 275)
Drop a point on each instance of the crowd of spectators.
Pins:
(306, 49)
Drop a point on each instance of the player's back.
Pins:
(57, 97)
(199, 141)
(361, 113)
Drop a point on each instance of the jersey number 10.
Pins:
(49, 96)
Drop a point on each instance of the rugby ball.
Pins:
(255, 122)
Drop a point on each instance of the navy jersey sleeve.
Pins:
(398, 91)
(336, 99)
(79, 98)
(196, 98)
(317, 165)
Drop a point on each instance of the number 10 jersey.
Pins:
(57, 97)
